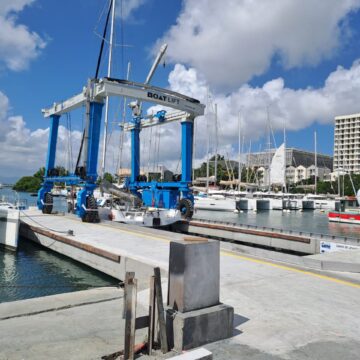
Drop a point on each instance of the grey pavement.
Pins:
(350, 256)
(79, 330)
(281, 312)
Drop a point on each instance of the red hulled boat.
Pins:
(346, 211)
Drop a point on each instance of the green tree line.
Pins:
(33, 183)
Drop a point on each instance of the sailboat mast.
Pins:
(239, 152)
(207, 144)
(316, 169)
(207, 154)
(248, 163)
(269, 147)
(216, 144)
(122, 133)
(107, 98)
(285, 188)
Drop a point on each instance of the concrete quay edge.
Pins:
(311, 262)
(34, 306)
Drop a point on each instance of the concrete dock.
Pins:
(281, 311)
(288, 240)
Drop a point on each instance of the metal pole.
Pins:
(216, 143)
(107, 98)
(239, 151)
(315, 162)
(153, 68)
(269, 147)
(285, 189)
(208, 142)
(248, 163)
(207, 154)
(122, 133)
(156, 63)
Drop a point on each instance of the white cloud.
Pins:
(23, 151)
(18, 44)
(297, 109)
(231, 41)
(125, 9)
(7, 6)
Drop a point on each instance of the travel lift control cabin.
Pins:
(166, 195)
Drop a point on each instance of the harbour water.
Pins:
(34, 271)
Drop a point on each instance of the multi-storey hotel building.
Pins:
(347, 143)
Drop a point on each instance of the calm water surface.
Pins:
(34, 271)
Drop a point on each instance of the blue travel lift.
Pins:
(167, 195)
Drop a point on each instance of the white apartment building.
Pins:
(295, 174)
(347, 143)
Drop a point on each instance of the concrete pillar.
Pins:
(194, 274)
(195, 316)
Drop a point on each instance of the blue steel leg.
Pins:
(50, 159)
(187, 128)
(94, 138)
(92, 158)
(135, 157)
(187, 132)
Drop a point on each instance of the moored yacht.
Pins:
(346, 210)
(321, 201)
(217, 202)
(9, 225)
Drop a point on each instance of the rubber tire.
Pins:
(47, 209)
(70, 208)
(91, 216)
(187, 208)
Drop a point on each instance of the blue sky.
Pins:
(249, 55)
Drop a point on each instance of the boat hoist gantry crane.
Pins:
(167, 195)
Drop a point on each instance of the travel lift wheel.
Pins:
(186, 208)
(70, 207)
(91, 216)
(47, 209)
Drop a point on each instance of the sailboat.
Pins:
(214, 200)
(277, 178)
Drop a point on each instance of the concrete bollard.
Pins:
(195, 316)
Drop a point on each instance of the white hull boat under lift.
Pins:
(123, 207)
(148, 217)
